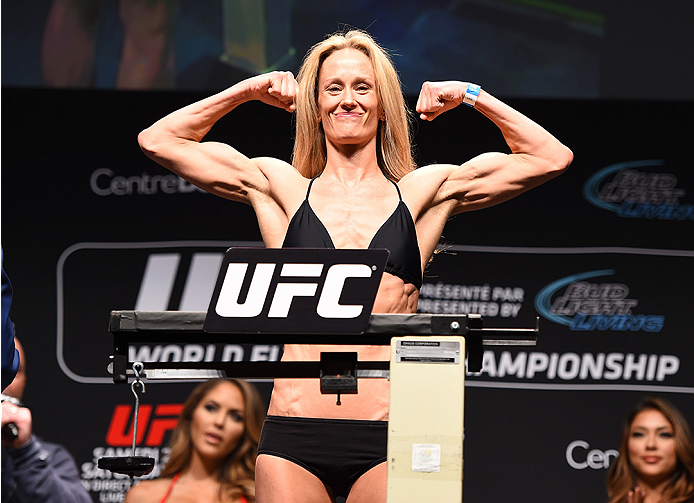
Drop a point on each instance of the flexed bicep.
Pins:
(218, 169)
(491, 178)
(176, 141)
(488, 179)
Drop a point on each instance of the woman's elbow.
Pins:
(147, 142)
(562, 159)
(568, 158)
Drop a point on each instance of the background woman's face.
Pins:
(218, 421)
(651, 446)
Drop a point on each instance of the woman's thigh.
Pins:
(278, 480)
(370, 487)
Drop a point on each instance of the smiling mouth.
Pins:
(651, 459)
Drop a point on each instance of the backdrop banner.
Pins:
(602, 255)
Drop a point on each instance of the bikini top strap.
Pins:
(173, 483)
(396, 187)
(308, 191)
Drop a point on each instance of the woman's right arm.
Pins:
(176, 143)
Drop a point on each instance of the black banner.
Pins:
(290, 291)
(602, 254)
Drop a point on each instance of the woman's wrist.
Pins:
(472, 92)
(243, 92)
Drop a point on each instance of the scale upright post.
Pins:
(425, 425)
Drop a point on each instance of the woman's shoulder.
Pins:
(432, 174)
(282, 176)
(422, 187)
(148, 491)
(278, 167)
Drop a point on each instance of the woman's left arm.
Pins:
(490, 178)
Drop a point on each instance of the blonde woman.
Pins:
(352, 184)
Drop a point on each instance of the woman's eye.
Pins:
(666, 434)
(637, 434)
(210, 408)
(235, 416)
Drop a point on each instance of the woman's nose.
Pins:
(348, 100)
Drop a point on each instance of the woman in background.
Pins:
(213, 448)
(656, 457)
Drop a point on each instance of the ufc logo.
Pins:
(295, 291)
(228, 304)
(153, 426)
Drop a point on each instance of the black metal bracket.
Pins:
(474, 343)
(338, 373)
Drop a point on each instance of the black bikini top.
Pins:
(397, 234)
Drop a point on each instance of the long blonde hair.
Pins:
(237, 473)
(621, 477)
(394, 141)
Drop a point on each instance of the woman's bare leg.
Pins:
(370, 487)
(278, 480)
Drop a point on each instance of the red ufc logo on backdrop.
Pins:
(120, 431)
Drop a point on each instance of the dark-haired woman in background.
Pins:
(213, 448)
(656, 457)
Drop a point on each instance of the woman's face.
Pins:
(347, 98)
(218, 421)
(651, 446)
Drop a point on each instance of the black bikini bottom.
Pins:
(337, 451)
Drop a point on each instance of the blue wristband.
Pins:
(471, 94)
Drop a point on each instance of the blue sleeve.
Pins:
(46, 472)
(10, 356)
